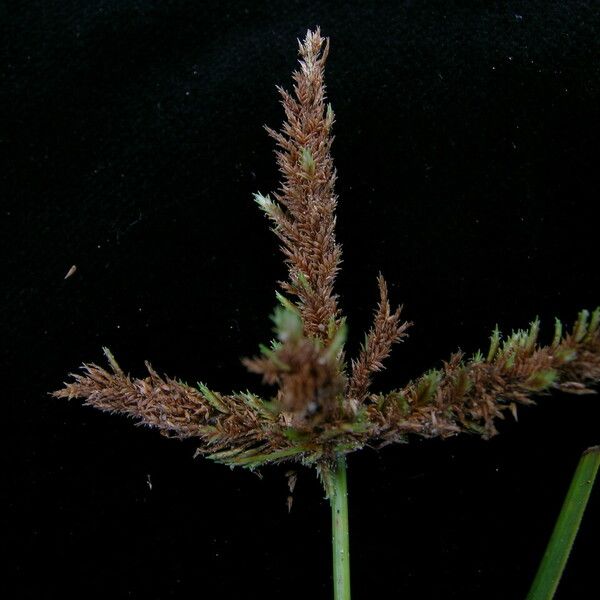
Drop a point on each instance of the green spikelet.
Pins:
(475, 427)
(272, 356)
(302, 282)
(257, 457)
(332, 327)
(521, 338)
(212, 398)
(565, 355)
(287, 320)
(580, 328)
(258, 404)
(508, 351)
(494, 343)
(477, 358)
(338, 341)
(427, 387)
(264, 202)
(532, 335)
(594, 324)
(329, 117)
(462, 383)
(558, 327)
(541, 380)
(402, 403)
(308, 162)
(287, 304)
(114, 365)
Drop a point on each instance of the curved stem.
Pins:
(339, 531)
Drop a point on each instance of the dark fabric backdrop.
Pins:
(467, 142)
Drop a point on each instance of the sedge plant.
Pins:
(323, 406)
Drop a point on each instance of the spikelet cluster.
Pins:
(321, 408)
(302, 210)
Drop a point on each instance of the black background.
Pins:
(467, 139)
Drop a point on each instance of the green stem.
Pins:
(558, 549)
(339, 531)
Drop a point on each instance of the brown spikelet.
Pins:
(470, 395)
(387, 329)
(176, 409)
(303, 209)
(308, 374)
